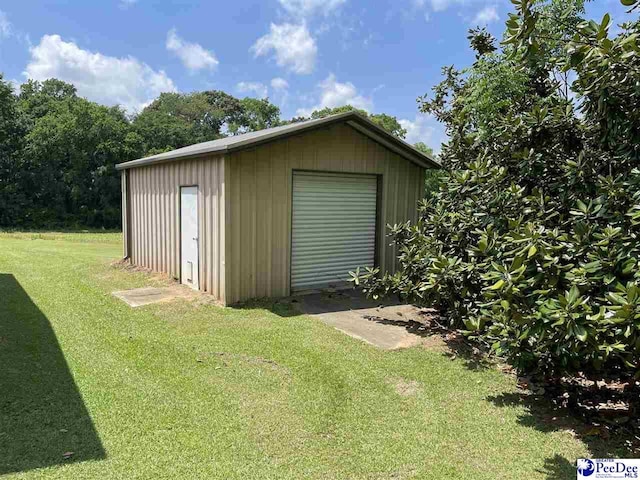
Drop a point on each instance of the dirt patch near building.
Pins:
(404, 387)
(139, 297)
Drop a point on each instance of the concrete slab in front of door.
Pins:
(138, 297)
(388, 325)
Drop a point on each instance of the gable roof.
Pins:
(246, 140)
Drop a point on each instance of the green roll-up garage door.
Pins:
(333, 227)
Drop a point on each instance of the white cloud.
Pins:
(424, 128)
(294, 48)
(101, 78)
(14, 84)
(5, 25)
(259, 89)
(192, 55)
(279, 83)
(280, 88)
(307, 8)
(7, 29)
(441, 5)
(335, 94)
(127, 3)
(414, 9)
(485, 16)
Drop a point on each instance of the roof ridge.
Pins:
(244, 140)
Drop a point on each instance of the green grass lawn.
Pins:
(192, 390)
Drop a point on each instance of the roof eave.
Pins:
(141, 162)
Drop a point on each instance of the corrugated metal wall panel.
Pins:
(333, 227)
(154, 223)
(259, 248)
(124, 184)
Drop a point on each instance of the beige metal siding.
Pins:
(259, 187)
(124, 180)
(154, 194)
(333, 227)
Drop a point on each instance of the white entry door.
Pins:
(189, 272)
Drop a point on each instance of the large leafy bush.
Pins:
(531, 245)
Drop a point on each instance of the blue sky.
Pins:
(303, 54)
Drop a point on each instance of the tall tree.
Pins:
(13, 126)
(58, 151)
(70, 154)
(530, 247)
(255, 114)
(175, 120)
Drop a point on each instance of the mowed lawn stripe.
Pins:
(192, 390)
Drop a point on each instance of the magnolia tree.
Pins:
(530, 247)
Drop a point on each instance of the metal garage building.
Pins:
(273, 212)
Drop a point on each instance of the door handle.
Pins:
(195, 238)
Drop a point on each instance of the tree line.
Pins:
(58, 150)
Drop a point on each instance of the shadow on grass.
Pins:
(42, 415)
(436, 336)
(456, 346)
(281, 307)
(558, 467)
(542, 414)
(314, 303)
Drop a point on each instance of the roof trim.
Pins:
(354, 119)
